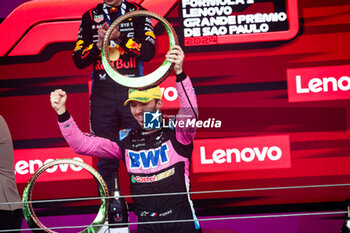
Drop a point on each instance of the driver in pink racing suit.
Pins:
(157, 160)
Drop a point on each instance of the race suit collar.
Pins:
(107, 10)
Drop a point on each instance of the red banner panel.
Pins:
(235, 154)
(243, 21)
(28, 161)
(169, 94)
(319, 83)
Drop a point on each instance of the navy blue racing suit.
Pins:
(136, 44)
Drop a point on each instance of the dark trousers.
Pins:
(10, 220)
(107, 116)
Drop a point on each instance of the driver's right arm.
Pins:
(81, 143)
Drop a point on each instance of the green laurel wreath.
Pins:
(147, 81)
(31, 218)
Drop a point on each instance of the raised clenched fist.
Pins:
(58, 101)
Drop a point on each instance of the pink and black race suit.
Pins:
(157, 161)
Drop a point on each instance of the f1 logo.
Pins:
(151, 120)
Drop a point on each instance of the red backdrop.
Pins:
(266, 85)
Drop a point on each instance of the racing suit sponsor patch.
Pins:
(131, 44)
(153, 214)
(78, 45)
(98, 18)
(151, 34)
(123, 134)
(149, 158)
(154, 178)
(67, 125)
(87, 49)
